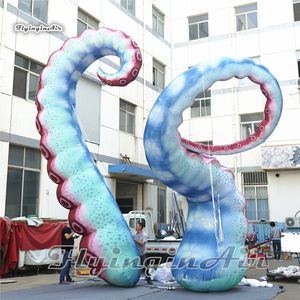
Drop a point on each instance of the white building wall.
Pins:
(275, 41)
(18, 115)
(284, 193)
(150, 203)
(3, 175)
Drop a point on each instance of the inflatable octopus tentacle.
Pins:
(81, 188)
(215, 226)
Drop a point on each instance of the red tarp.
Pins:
(9, 242)
(15, 236)
(45, 236)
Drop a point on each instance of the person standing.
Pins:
(67, 244)
(275, 236)
(140, 239)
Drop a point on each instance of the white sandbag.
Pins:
(255, 283)
(163, 273)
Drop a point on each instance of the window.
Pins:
(249, 124)
(35, 8)
(85, 21)
(134, 221)
(126, 196)
(255, 188)
(125, 205)
(158, 74)
(161, 202)
(296, 10)
(129, 5)
(22, 192)
(201, 106)
(198, 27)
(89, 119)
(127, 117)
(208, 143)
(298, 62)
(246, 17)
(158, 22)
(26, 77)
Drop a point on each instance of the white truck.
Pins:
(162, 249)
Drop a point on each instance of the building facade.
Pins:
(173, 36)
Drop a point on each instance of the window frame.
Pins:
(158, 17)
(298, 60)
(208, 142)
(126, 6)
(87, 23)
(127, 112)
(246, 16)
(190, 23)
(256, 185)
(296, 3)
(25, 168)
(29, 73)
(32, 10)
(161, 203)
(252, 122)
(158, 68)
(206, 97)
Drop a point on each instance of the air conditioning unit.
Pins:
(292, 222)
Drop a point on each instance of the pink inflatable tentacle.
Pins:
(81, 187)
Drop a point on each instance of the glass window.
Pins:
(22, 193)
(161, 205)
(13, 193)
(33, 86)
(255, 188)
(246, 17)
(158, 74)
(85, 21)
(25, 5)
(127, 117)
(26, 77)
(16, 156)
(20, 83)
(32, 158)
(40, 9)
(158, 22)
(129, 5)
(22, 62)
(133, 221)
(122, 119)
(198, 27)
(298, 62)
(209, 143)
(202, 105)
(125, 205)
(35, 67)
(30, 192)
(35, 8)
(250, 123)
(296, 6)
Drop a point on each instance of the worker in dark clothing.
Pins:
(67, 244)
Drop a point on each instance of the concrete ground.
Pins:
(292, 288)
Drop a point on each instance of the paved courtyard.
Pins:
(44, 286)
